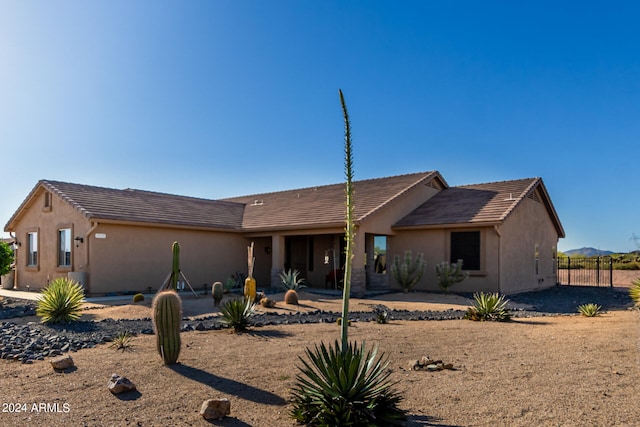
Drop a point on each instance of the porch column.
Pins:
(277, 258)
(358, 272)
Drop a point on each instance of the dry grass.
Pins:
(565, 370)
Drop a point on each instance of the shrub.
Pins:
(634, 291)
(60, 301)
(348, 386)
(230, 284)
(291, 297)
(589, 310)
(122, 341)
(289, 280)
(408, 272)
(6, 258)
(450, 274)
(488, 307)
(138, 297)
(237, 313)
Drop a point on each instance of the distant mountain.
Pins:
(588, 252)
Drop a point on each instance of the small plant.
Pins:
(488, 306)
(6, 258)
(345, 386)
(289, 280)
(634, 291)
(407, 271)
(60, 301)
(450, 274)
(237, 313)
(122, 341)
(217, 291)
(138, 298)
(291, 297)
(589, 310)
(230, 284)
(382, 317)
(166, 313)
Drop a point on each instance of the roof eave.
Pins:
(479, 224)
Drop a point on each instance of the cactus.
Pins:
(407, 271)
(217, 290)
(291, 297)
(138, 297)
(450, 274)
(167, 317)
(175, 269)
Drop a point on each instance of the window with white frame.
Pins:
(64, 247)
(32, 248)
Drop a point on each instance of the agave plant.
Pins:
(488, 306)
(122, 341)
(61, 301)
(345, 386)
(589, 310)
(634, 291)
(237, 313)
(289, 280)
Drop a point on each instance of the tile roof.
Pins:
(488, 203)
(324, 205)
(99, 203)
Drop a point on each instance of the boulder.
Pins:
(118, 384)
(61, 363)
(215, 409)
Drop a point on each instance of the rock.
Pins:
(118, 384)
(267, 302)
(415, 365)
(61, 363)
(215, 409)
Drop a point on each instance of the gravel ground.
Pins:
(35, 341)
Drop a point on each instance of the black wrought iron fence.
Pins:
(585, 271)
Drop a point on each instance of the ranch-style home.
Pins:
(113, 240)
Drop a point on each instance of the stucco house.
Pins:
(120, 240)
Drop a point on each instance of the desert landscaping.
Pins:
(552, 369)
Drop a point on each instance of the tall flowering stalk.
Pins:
(350, 229)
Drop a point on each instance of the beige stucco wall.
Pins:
(47, 222)
(529, 225)
(434, 244)
(134, 258)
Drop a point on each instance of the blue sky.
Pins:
(223, 98)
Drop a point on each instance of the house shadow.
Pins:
(228, 386)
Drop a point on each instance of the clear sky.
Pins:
(216, 99)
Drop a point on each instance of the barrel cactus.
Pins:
(291, 297)
(217, 290)
(167, 317)
(138, 297)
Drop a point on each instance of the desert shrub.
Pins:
(488, 306)
(291, 297)
(60, 301)
(589, 310)
(633, 265)
(138, 297)
(122, 341)
(350, 386)
(634, 291)
(407, 271)
(237, 313)
(290, 280)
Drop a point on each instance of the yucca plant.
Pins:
(634, 291)
(237, 313)
(60, 301)
(589, 310)
(345, 387)
(122, 341)
(488, 306)
(289, 280)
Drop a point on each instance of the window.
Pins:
(465, 245)
(32, 248)
(380, 254)
(64, 247)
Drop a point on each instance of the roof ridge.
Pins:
(315, 187)
(496, 182)
(534, 183)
